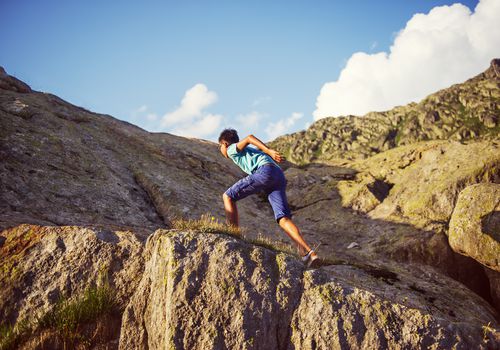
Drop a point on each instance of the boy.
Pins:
(264, 175)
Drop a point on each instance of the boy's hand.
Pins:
(276, 155)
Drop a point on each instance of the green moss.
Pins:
(15, 249)
(228, 288)
(280, 261)
(327, 295)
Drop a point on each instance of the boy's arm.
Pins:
(250, 139)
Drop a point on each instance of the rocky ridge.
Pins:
(195, 290)
(462, 112)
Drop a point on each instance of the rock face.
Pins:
(41, 264)
(474, 226)
(420, 183)
(202, 291)
(64, 165)
(8, 82)
(194, 290)
(475, 229)
(466, 111)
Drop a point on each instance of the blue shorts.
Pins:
(270, 179)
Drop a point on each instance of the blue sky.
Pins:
(260, 61)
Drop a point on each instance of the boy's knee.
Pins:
(282, 220)
(225, 197)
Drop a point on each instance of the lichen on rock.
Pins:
(466, 235)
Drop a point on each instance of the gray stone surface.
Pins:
(209, 291)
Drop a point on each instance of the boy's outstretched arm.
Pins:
(250, 139)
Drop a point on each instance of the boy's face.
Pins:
(223, 148)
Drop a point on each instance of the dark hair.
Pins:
(229, 135)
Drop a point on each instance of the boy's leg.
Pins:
(282, 214)
(294, 233)
(241, 189)
(231, 210)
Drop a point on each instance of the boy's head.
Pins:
(227, 137)
(230, 136)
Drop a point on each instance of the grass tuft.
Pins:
(64, 318)
(207, 223)
(268, 243)
(210, 224)
(68, 314)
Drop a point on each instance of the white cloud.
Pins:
(193, 103)
(275, 129)
(249, 120)
(448, 45)
(199, 128)
(190, 119)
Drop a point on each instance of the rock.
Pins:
(64, 165)
(430, 118)
(494, 70)
(419, 183)
(8, 82)
(357, 195)
(490, 121)
(474, 226)
(353, 245)
(40, 264)
(494, 280)
(202, 291)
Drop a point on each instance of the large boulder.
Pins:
(41, 264)
(474, 226)
(214, 291)
(419, 184)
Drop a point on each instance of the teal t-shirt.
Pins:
(249, 159)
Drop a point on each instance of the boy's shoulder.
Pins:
(232, 150)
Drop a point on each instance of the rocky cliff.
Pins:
(90, 257)
(462, 112)
(195, 290)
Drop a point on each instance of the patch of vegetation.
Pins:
(210, 224)
(271, 244)
(65, 319)
(206, 223)
(11, 335)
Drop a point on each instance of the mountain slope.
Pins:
(64, 165)
(116, 184)
(462, 112)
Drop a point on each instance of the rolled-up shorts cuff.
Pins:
(281, 216)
